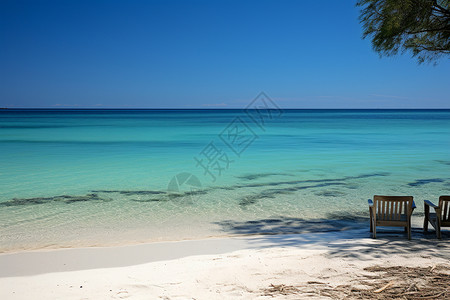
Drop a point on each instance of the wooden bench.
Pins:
(440, 217)
(391, 211)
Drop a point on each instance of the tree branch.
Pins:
(441, 9)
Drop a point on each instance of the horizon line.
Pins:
(208, 108)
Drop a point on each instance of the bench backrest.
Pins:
(444, 204)
(391, 208)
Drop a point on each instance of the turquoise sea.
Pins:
(75, 178)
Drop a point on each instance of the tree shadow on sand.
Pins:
(342, 235)
(291, 225)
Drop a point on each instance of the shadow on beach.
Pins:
(290, 225)
(342, 235)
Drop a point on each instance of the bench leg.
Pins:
(438, 228)
(374, 229)
(409, 229)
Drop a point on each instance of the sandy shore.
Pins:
(242, 267)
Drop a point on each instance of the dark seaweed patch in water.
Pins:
(261, 175)
(351, 186)
(62, 198)
(188, 193)
(227, 188)
(252, 199)
(322, 183)
(164, 196)
(330, 194)
(171, 196)
(444, 162)
(298, 188)
(131, 193)
(248, 200)
(420, 182)
(295, 182)
(87, 197)
(198, 192)
(271, 193)
(147, 200)
(26, 201)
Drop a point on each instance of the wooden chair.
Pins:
(440, 217)
(391, 211)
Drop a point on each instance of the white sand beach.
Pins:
(262, 267)
(229, 150)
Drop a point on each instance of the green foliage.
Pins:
(419, 26)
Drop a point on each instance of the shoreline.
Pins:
(99, 256)
(215, 268)
(241, 230)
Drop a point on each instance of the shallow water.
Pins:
(104, 177)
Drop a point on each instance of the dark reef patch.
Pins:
(147, 200)
(62, 198)
(188, 193)
(330, 194)
(130, 193)
(305, 187)
(248, 200)
(261, 175)
(420, 182)
(296, 182)
(264, 194)
(289, 188)
(271, 193)
(351, 186)
(444, 162)
(297, 186)
(226, 188)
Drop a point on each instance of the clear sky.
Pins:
(203, 54)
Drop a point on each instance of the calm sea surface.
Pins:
(73, 178)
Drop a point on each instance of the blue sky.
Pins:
(203, 54)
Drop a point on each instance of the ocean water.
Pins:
(76, 178)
